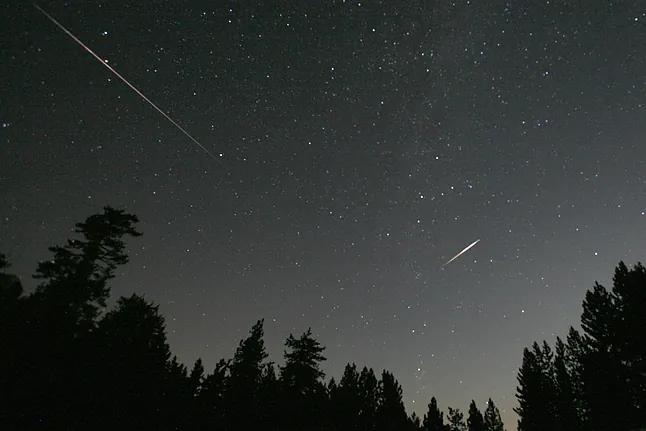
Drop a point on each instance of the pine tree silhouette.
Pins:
(492, 419)
(304, 394)
(615, 364)
(434, 418)
(210, 402)
(391, 414)
(596, 381)
(536, 392)
(475, 422)
(69, 365)
(369, 394)
(345, 400)
(245, 375)
(50, 362)
(456, 420)
(565, 403)
(136, 362)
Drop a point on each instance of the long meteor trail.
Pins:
(125, 81)
(462, 252)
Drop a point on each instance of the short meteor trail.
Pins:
(462, 252)
(125, 81)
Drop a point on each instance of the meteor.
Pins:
(462, 252)
(125, 81)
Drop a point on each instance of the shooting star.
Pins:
(125, 81)
(462, 252)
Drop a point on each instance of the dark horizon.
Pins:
(360, 146)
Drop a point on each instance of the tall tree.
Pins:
(576, 353)
(345, 400)
(535, 392)
(369, 395)
(196, 377)
(475, 422)
(244, 380)
(74, 286)
(434, 418)
(391, 413)
(210, 403)
(301, 379)
(565, 402)
(58, 319)
(135, 360)
(492, 420)
(268, 395)
(615, 364)
(456, 420)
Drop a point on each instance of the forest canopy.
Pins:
(70, 363)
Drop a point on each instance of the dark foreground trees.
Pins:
(595, 380)
(68, 363)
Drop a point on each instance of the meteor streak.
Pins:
(125, 81)
(462, 252)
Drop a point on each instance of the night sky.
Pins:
(359, 146)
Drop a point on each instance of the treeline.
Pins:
(595, 380)
(69, 364)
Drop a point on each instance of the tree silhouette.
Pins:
(414, 422)
(492, 419)
(615, 363)
(456, 420)
(301, 377)
(345, 400)
(74, 285)
(535, 392)
(210, 402)
(595, 381)
(434, 418)
(369, 395)
(475, 422)
(565, 402)
(49, 360)
(69, 365)
(245, 375)
(391, 414)
(135, 357)
(268, 394)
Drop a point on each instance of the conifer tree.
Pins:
(268, 395)
(533, 404)
(456, 420)
(434, 418)
(210, 402)
(301, 380)
(615, 364)
(345, 399)
(135, 357)
(74, 286)
(415, 423)
(565, 402)
(475, 422)
(245, 374)
(492, 420)
(58, 319)
(196, 377)
(369, 395)
(577, 352)
(391, 414)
